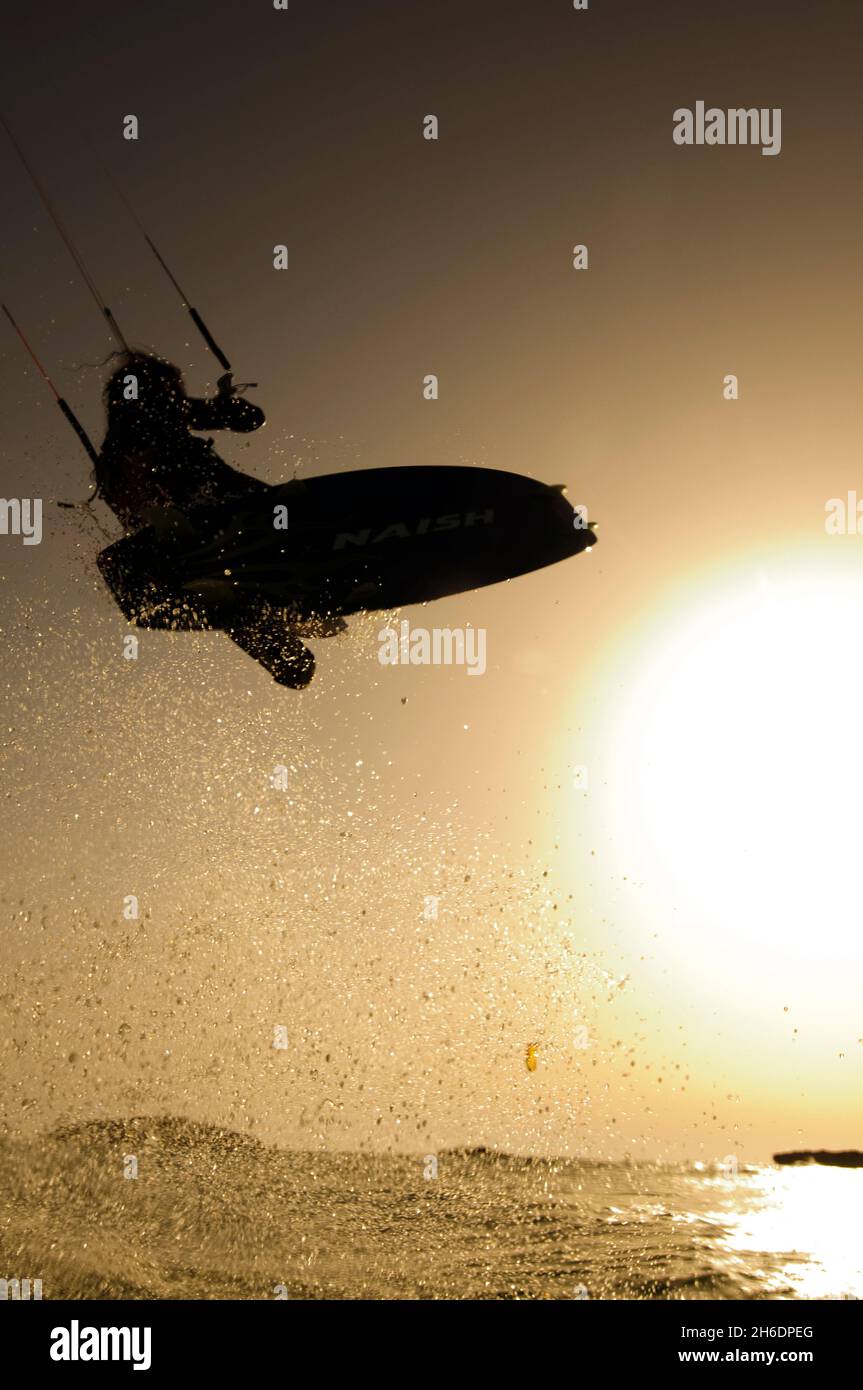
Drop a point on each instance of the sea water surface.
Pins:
(214, 1214)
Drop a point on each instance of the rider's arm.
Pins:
(225, 411)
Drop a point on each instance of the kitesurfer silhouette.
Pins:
(151, 464)
(203, 545)
(150, 459)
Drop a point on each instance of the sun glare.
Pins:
(736, 766)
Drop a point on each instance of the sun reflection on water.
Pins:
(806, 1222)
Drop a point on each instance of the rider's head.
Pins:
(145, 390)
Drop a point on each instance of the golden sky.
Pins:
(693, 906)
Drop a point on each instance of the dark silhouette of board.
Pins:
(373, 539)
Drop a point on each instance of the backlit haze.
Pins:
(642, 822)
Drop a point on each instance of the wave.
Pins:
(164, 1207)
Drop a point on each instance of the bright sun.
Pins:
(736, 771)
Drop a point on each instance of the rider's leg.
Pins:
(266, 639)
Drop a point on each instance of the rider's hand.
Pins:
(225, 385)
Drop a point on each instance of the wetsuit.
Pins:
(153, 462)
(159, 463)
